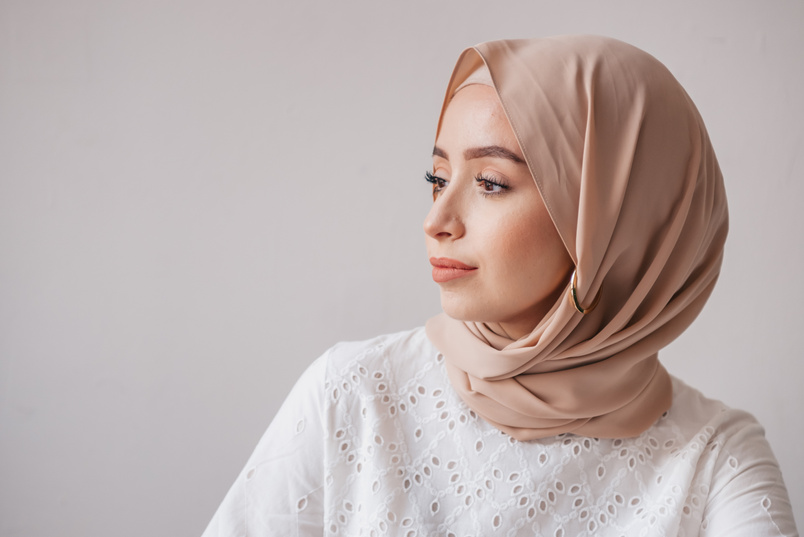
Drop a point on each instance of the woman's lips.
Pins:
(446, 269)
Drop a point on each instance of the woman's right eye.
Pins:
(438, 183)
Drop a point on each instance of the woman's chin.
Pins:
(460, 310)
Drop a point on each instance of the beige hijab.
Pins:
(625, 167)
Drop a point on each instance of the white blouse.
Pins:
(373, 441)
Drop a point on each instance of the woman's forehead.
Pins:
(475, 118)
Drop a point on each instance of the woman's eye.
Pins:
(491, 186)
(438, 183)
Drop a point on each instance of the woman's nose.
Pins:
(444, 221)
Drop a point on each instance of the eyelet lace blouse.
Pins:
(373, 441)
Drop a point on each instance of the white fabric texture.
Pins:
(373, 441)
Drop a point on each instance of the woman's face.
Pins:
(494, 249)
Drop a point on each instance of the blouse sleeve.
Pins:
(748, 496)
(281, 490)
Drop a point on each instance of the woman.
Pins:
(577, 227)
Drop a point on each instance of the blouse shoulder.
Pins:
(740, 484)
(697, 417)
(406, 342)
(396, 354)
(692, 410)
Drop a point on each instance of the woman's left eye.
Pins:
(491, 186)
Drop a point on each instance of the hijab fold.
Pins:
(626, 170)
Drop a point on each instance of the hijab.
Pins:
(626, 170)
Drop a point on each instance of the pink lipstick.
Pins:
(446, 269)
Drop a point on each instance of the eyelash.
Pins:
(439, 184)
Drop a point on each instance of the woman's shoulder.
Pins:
(725, 441)
(693, 411)
(705, 423)
(358, 366)
(386, 354)
(736, 474)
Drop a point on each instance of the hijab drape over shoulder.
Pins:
(626, 170)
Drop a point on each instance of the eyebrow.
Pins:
(480, 152)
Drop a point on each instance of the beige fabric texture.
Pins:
(626, 169)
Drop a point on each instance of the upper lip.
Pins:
(446, 262)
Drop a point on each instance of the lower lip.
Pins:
(445, 274)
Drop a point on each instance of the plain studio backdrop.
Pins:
(197, 198)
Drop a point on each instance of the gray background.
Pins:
(198, 198)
